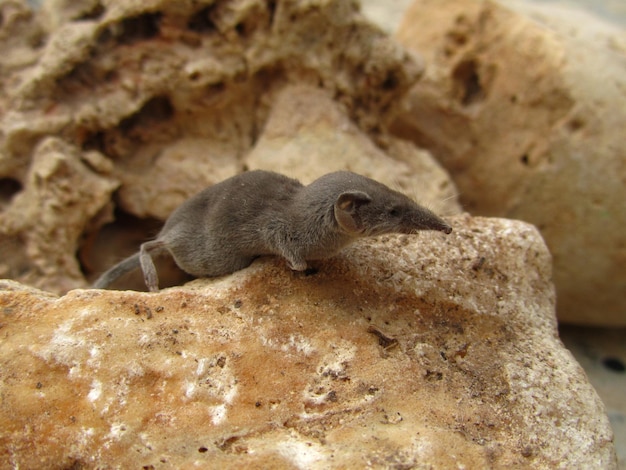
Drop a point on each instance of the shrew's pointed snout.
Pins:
(445, 228)
(424, 219)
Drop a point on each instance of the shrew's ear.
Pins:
(346, 207)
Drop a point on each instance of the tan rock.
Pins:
(20, 36)
(308, 134)
(387, 15)
(63, 197)
(528, 115)
(430, 350)
(163, 98)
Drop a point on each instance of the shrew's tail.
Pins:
(123, 267)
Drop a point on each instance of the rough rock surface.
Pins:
(154, 100)
(527, 112)
(61, 199)
(430, 350)
(306, 121)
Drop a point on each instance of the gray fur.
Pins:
(226, 226)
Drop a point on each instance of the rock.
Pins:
(41, 228)
(527, 111)
(308, 135)
(387, 15)
(164, 98)
(21, 34)
(431, 350)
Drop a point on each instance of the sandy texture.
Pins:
(432, 350)
(527, 113)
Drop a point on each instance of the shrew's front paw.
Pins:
(297, 265)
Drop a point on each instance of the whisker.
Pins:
(453, 196)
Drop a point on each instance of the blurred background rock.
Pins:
(600, 350)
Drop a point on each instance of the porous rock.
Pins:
(526, 109)
(308, 134)
(41, 228)
(430, 350)
(161, 99)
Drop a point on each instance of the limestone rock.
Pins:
(387, 15)
(527, 113)
(308, 135)
(21, 34)
(428, 350)
(66, 192)
(161, 99)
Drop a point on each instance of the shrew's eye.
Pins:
(394, 212)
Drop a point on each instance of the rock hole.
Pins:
(247, 26)
(102, 249)
(9, 187)
(133, 29)
(94, 141)
(458, 38)
(433, 376)
(527, 451)
(83, 78)
(95, 13)
(139, 28)
(575, 124)
(115, 241)
(524, 159)
(391, 82)
(271, 8)
(241, 29)
(201, 21)
(614, 364)
(156, 109)
(467, 82)
(202, 450)
(108, 142)
(110, 75)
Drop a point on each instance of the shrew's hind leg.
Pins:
(147, 265)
